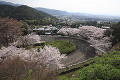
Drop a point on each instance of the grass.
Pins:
(65, 47)
(36, 46)
(30, 47)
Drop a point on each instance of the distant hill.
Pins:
(22, 12)
(3, 2)
(52, 11)
(57, 13)
(77, 16)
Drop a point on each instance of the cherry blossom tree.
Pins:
(93, 35)
(69, 31)
(42, 63)
(31, 39)
(27, 40)
(10, 31)
(51, 56)
(48, 55)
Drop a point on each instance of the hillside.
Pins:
(22, 12)
(52, 11)
(106, 67)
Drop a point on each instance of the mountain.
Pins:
(52, 11)
(3, 2)
(49, 11)
(64, 15)
(22, 12)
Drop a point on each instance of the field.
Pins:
(65, 47)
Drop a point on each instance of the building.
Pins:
(105, 27)
(46, 30)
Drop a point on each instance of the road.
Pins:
(83, 52)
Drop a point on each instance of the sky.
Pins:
(100, 7)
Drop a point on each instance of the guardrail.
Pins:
(78, 65)
(75, 67)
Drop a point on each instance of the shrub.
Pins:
(38, 44)
(63, 78)
(116, 33)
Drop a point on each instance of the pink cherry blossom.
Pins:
(27, 40)
(94, 35)
(48, 56)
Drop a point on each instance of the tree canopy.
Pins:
(116, 33)
(10, 30)
(22, 12)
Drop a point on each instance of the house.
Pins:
(46, 30)
(105, 27)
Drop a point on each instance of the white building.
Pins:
(105, 27)
(46, 30)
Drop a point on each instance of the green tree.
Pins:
(116, 33)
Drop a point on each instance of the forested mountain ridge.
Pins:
(22, 12)
(9, 3)
(52, 11)
(60, 14)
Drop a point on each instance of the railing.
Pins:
(75, 67)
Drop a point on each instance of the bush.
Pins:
(63, 78)
(116, 47)
(65, 47)
(38, 44)
(106, 67)
(108, 32)
(116, 33)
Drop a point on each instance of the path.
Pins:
(83, 52)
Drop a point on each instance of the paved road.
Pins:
(83, 52)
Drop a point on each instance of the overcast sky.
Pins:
(103, 7)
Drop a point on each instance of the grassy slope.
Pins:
(106, 67)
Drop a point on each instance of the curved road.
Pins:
(83, 52)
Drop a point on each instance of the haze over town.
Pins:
(99, 7)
